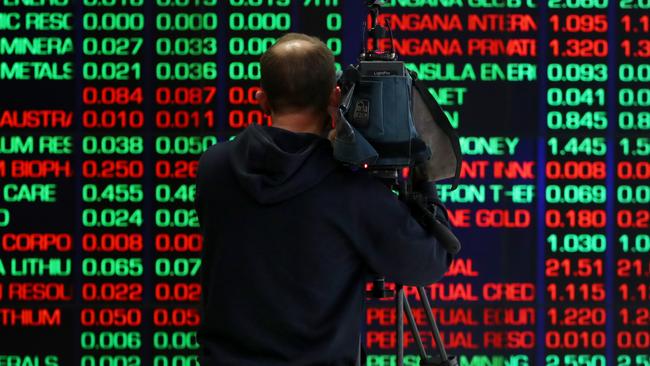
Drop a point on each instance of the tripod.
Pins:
(389, 173)
(402, 306)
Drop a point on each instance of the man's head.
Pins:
(298, 76)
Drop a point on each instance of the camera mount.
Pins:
(376, 32)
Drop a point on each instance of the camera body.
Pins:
(388, 120)
(380, 109)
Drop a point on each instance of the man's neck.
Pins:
(299, 122)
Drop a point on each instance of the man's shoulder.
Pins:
(361, 181)
(216, 153)
(214, 159)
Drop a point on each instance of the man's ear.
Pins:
(333, 107)
(263, 99)
(335, 97)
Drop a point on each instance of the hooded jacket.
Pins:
(290, 238)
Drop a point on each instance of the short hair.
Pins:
(300, 77)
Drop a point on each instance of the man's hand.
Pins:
(420, 173)
(433, 219)
(427, 188)
(423, 184)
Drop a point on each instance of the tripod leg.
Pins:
(432, 322)
(414, 329)
(399, 299)
(358, 363)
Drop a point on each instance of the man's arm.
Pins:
(394, 244)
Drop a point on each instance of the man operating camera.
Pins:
(290, 235)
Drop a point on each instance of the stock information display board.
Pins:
(106, 105)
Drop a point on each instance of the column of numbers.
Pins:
(112, 147)
(575, 194)
(632, 173)
(185, 100)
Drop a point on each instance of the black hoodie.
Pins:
(290, 239)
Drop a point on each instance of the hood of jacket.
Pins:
(273, 164)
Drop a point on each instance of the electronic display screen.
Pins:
(106, 106)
